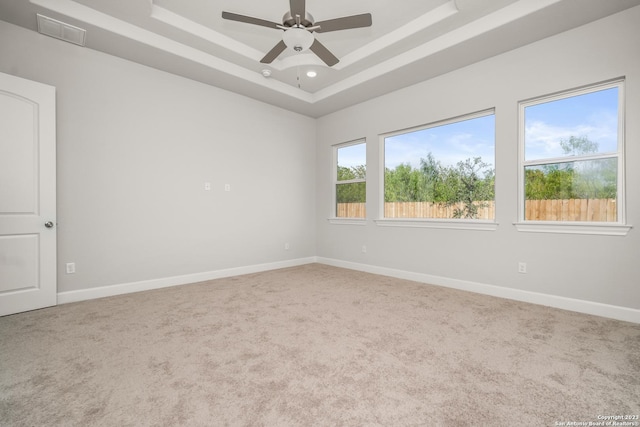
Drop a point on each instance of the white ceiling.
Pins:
(409, 41)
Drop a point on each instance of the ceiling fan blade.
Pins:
(298, 7)
(324, 53)
(273, 53)
(249, 20)
(345, 23)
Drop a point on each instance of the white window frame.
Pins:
(456, 224)
(333, 219)
(574, 227)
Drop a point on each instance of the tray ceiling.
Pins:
(409, 41)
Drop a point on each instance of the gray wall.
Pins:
(135, 147)
(603, 269)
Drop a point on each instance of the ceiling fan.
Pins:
(298, 26)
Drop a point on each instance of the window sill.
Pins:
(348, 221)
(456, 224)
(573, 228)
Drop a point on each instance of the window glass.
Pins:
(350, 176)
(577, 125)
(444, 170)
(571, 160)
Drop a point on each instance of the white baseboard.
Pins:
(571, 304)
(588, 307)
(147, 285)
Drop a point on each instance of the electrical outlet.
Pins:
(364, 249)
(227, 187)
(207, 186)
(71, 267)
(522, 267)
(286, 246)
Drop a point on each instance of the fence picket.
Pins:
(597, 210)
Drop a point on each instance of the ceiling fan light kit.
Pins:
(298, 39)
(299, 28)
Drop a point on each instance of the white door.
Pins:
(27, 195)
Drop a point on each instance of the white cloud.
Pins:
(448, 151)
(543, 139)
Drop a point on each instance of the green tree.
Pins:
(581, 179)
(595, 179)
(578, 146)
(404, 184)
(353, 172)
(470, 181)
(549, 182)
(441, 183)
(475, 188)
(354, 192)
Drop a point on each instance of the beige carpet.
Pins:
(314, 346)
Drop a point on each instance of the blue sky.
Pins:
(352, 155)
(593, 115)
(449, 143)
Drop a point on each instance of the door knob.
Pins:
(48, 224)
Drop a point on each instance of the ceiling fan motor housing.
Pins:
(289, 20)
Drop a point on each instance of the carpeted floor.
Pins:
(314, 346)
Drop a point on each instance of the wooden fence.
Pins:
(432, 210)
(351, 210)
(596, 210)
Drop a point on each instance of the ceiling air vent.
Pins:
(60, 30)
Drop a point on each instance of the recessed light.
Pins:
(311, 73)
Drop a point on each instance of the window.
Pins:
(571, 164)
(350, 180)
(442, 171)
